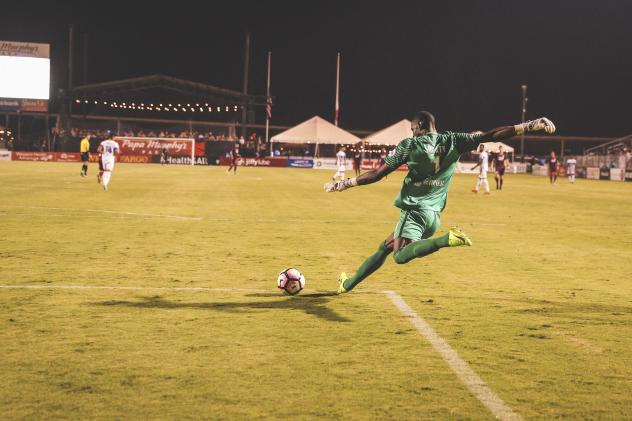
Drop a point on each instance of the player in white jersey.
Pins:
(341, 163)
(483, 163)
(108, 149)
(570, 169)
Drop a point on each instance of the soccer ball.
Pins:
(291, 281)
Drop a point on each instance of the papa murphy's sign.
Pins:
(154, 145)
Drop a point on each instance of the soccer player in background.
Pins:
(553, 167)
(84, 150)
(341, 164)
(570, 169)
(432, 158)
(483, 164)
(108, 149)
(233, 155)
(357, 162)
(164, 157)
(499, 160)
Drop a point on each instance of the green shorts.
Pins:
(417, 225)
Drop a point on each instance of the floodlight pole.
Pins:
(524, 113)
(244, 110)
(71, 30)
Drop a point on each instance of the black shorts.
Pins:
(85, 156)
(500, 171)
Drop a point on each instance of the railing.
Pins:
(611, 146)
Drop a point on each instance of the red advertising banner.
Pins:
(153, 146)
(134, 159)
(33, 156)
(254, 162)
(67, 157)
(200, 149)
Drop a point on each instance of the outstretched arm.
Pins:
(505, 132)
(368, 177)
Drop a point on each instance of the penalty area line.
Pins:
(468, 377)
(149, 215)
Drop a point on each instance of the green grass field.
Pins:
(540, 307)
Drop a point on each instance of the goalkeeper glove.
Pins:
(341, 185)
(541, 123)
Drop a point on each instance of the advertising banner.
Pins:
(604, 173)
(254, 162)
(628, 174)
(33, 156)
(328, 164)
(154, 145)
(5, 155)
(540, 170)
(67, 157)
(301, 163)
(34, 105)
(181, 160)
(9, 105)
(592, 173)
(617, 174)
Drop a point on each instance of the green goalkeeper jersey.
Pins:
(432, 159)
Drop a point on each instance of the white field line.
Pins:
(195, 289)
(150, 215)
(468, 377)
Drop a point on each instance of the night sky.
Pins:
(464, 62)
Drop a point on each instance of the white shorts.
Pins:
(107, 162)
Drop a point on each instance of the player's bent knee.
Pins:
(399, 258)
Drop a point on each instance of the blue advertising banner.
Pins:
(300, 163)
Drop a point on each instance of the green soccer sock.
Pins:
(420, 248)
(369, 266)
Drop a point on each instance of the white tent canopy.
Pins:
(316, 130)
(391, 135)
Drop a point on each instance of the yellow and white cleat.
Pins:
(341, 281)
(457, 238)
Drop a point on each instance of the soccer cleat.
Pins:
(341, 281)
(457, 238)
(474, 191)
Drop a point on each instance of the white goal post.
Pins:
(180, 150)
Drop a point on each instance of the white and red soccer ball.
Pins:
(291, 281)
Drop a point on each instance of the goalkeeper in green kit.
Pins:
(432, 158)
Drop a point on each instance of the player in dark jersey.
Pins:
(499, 159)
(233, 155)
(432, 158)
(553, 167)
(357, 162)
(164, 157)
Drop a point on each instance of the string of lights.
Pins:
(163, 107)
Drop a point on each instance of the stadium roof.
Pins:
(391, 135)
(316, 130)
(157, 85)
